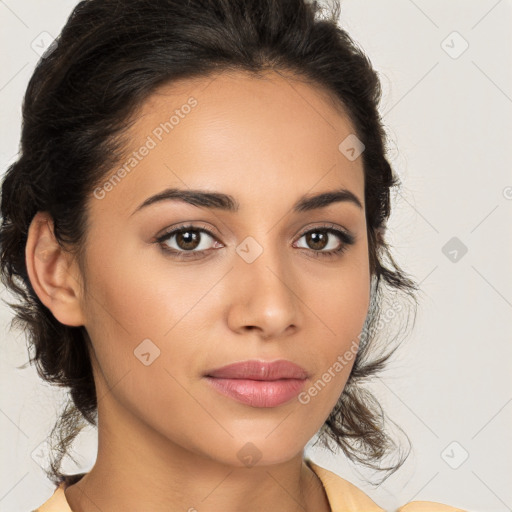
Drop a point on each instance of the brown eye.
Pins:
(317, 239)
(187, 239)
(326, 241)
(321, 239)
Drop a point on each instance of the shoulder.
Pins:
(343, 496)
(56, 503)
(428, 506)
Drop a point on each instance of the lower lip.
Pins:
(258, 393)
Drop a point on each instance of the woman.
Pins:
(195, 226)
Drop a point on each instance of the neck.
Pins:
(140, 469)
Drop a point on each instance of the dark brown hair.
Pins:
(108, 59)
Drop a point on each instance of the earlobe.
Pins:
(51, 272)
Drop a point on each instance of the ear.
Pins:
(52, 272)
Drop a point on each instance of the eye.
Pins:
(327, 240)
(186, 241)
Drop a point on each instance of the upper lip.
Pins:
(260, 370)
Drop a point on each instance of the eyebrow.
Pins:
(225, 202)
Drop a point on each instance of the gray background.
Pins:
(448, 112)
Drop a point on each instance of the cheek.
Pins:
(140, 292)
(340, 299)
(147, 323)
(340, 305)
(145, 309)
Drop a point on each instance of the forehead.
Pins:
(229, 130)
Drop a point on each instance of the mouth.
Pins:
(259, 383)
(258, 393)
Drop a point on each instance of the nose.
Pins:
(265, 297)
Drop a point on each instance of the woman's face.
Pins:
(246, 283)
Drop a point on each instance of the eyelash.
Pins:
(346, 238)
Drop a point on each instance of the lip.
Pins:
(260, 370)
(259, 383)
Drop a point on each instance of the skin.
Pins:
(167, 440)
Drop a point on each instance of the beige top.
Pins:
(342, 495)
